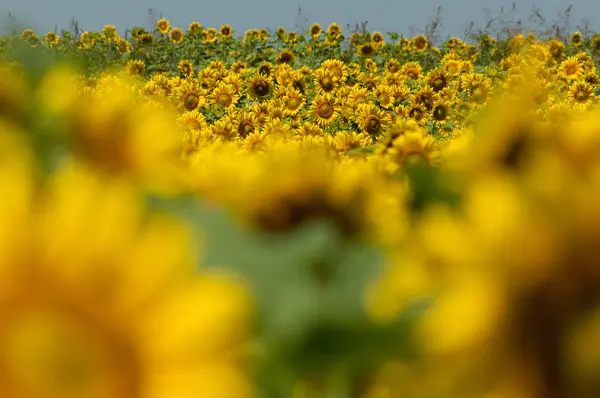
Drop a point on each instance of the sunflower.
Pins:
(195, 28)
(592, 78)
(366, 50)
(122, 46)
(412, 70)
(266, 69)
(239, 67)
(163, 26)
(235, 81)
(226, 32)
(280, 32)
(77, 320)
(581, 93)
(570, 68)
(261, 110)
(556, 49)
(259, 86)
(377, 39)
(417, 112)
(224, 129)
(186, 68)
(315, 31)
(392, 65)
(425, 97)
(420, 43)
(441, 113)
(309, 129)
(193, 119)
(371, 119)
(325, 81)
(292, 38)
(278, 129)
(256, 142)
(51, 39)
(414, 146)
(338, 68)
(136, 68)
(437, 79)
(224, 95)
(395, 130)
(286, 56)
(210, 35)
(576, 39)
(176, 35)
(344, 141)
(147, 38)
(245, 123)
(334, 31)
(189, 95)
(384, 96)
(324, 110)
(293, 101)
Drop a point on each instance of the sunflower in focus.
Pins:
(371, 119)
(324, 109)
(259, 86)
(189, 95)
(581, 93)
(224, 95)
(571, 68)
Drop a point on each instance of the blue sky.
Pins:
(382, 15)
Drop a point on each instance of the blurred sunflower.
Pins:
(176, 35)
(163, 26)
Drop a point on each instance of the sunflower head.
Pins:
(420, 43)
(186, 68)
(286, 56)
(315, 31)
(226, 31)
(176, 35)
(163, 26)
(136, 68)
(259, 86)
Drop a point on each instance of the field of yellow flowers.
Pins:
(287, 214)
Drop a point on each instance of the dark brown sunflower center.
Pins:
(440, 113)
(261, 89)
(581, 96)
(327, 83)
(373, 124)
(438, 83)
(325, 110)
(191, 100)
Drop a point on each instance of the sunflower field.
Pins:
(191, 213)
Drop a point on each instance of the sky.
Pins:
(382, 15)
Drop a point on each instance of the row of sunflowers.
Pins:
(335, 218)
